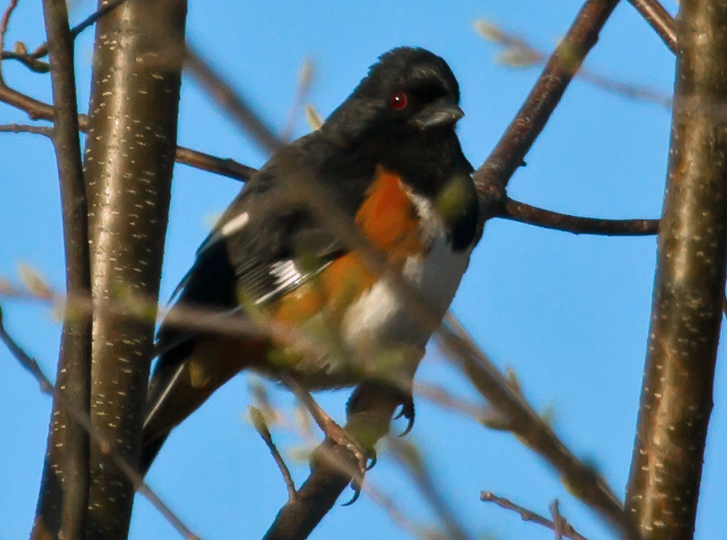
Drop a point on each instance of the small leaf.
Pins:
(34, 282)
(306, 73)
(258, 420)
(519, 56)
(300, 454)
(302, 419)
(312, 117)
(512, 380)
(263, 403)
(489, 31)
(6, 289)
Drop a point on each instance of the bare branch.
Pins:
(659, 19)
(558, 520)
(64, 487)
(524, 213)
(129, 163)
(4, 22)
(333, 466)
(677, 391)
(493, 176)
(32, 60)
(528, 515)
(207, 162)
(258, 421)
(23, 128)
(104, 444)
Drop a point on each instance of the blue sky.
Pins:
(569, 314)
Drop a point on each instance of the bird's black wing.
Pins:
(259, 251)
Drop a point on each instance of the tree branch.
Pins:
(98, 438)
(22, 128)
(129, 162)
(660, 20)
(333, 466)
(32, 60)
(64, 487)
(493, 176)
(524, 213)
(529, 515)
(676, 398)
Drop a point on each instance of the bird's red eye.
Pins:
(398, 100)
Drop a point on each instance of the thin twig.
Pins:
(4, 30)
(104, 444)
(24, 128)
(558, 521)
(522, 54)
(524, 213)
(258, 421)
(492, 177)
(305, 79)
(528, 515)
(32, 60)
(659, 19)
(187, 316)
(207, 162)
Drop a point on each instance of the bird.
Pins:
(389, 160)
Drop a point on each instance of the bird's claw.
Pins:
(407, 411)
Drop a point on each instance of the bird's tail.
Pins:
(184, 378)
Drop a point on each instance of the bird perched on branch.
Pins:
(296, 252)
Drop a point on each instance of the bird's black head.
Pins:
(409, 90)
(403, 116)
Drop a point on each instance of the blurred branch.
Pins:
(659, 19)
(184, 316)
(410, 459)
(64, 486)
(518, 53)
(305, 80)
(440, 396)
(582, 481)
(104, 444)
(677, 391)
(32, 60)
(231, 101)
(493, 176)
(524, 213)
(528, 515)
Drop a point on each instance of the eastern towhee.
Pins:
(389, 158)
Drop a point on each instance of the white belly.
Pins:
(381, 315)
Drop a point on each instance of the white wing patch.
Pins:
(235, 224)
(287, 276)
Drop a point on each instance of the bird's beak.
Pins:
(441, 113)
